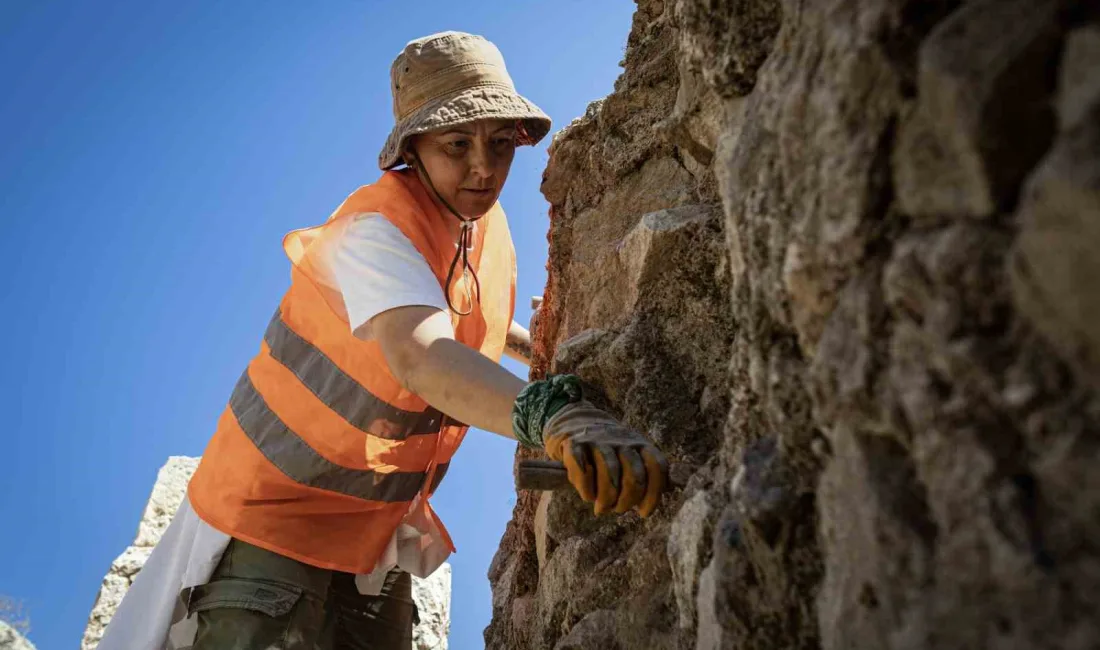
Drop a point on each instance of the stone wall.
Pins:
(432, 595)
(835, 257)
(11, 639)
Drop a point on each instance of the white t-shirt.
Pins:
(377, 269)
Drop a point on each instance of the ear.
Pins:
(408, 154)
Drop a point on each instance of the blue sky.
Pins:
(152, 154)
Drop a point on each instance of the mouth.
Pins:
(479, 193)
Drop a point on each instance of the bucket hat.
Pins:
(454, 78)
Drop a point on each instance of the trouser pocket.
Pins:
(382, 622)
(250, 614)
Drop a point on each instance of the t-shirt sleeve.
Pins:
(377, 269)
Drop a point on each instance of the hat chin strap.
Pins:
(463, 252)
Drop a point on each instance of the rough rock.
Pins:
(432, 595)
(836, 259)
(982, 117)
(11, 639)
(688, 532)
(1055, 256)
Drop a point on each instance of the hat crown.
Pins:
(442, 64)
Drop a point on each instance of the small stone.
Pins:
(687, 541)
(540, 523)
(710, 635)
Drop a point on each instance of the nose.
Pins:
(481, 160)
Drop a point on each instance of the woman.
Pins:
(309, 510)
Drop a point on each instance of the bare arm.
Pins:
(419, 347)
(518, 346)
(625, 471)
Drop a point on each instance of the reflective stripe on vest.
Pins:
(295, 458)
(341, 393)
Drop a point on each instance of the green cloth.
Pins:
(260, 600)
(538, 402)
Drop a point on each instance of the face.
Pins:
(468, 164)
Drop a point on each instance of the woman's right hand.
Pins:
(608, 463)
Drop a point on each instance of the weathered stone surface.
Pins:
(727, 41)
(543, 541)
(647, 329)
(686, 551)
(1055, 259)
(168, 493)
(876, 372)
(11, 639)
(432, 595)
(1079, 83)
(711, 634)
(982, 117)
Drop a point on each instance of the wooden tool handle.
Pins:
(541, 475)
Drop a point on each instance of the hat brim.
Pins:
(490, 102)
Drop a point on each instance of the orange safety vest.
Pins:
(321, 451)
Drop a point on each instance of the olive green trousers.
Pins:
(259, 600)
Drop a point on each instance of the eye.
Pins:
(504, 143)
(457, 146)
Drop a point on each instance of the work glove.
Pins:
(607, 462)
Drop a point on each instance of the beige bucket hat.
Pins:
(454, 78)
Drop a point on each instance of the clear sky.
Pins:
(152, 155)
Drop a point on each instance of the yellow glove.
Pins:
(607, 462)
